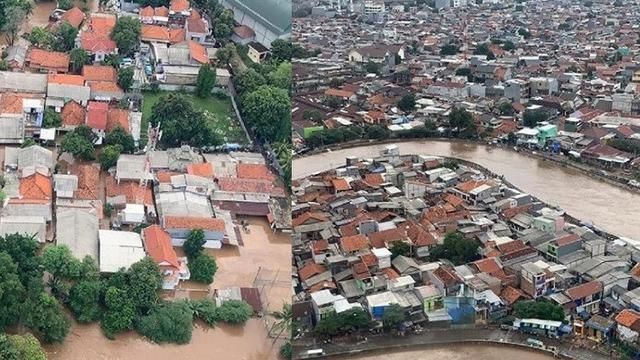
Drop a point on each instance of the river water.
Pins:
(271, 253)
(608, 207)
(461, 352)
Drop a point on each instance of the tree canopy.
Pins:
(234, 311)
(181, 123)
(125, 78)
(51, 119)
(202, 267)
(109, 156)
(393, 316)
(79, 142)
(531, 118)
(169, 323)
(268, 111)
(407, 102)
(126, 34)
(120, 136)
(206, 81)
(456, 248)
(540, 309)
(65, 37)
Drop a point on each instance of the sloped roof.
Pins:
(157, 243)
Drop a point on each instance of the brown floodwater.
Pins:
(458, 352)
(236, 267)
(608, 207)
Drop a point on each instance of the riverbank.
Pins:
(434, 338)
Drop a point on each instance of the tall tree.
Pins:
(126, 34)
(27, 347)
(281, 76)
(248, 81)
(12, 292)
(65, 37)
(181, 123)
(206, 81)
(119, 314)
(407, 103)
(194, 245)
(456, 248)
(109, 156)
(78, 58)
(125, 78)
(84, 300)
(44, 315)
(41, 37)
(14, 17)
(120, 136)
(51, 119)
(145, 280)
(268, 111)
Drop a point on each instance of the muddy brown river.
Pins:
(607, 206)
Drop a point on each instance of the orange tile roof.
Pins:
(147, 11)
(354, 243)
(73, 114)
(340, 184)
(11, 104)
(48, 60)
(467, 186)
(360, 270)
(107, 86)
(338, 93)
(36, 187)
(198, 52)
(254, 171)
(162, 33)
(99, 73)
(187, 222)
(510, 295)
(489, 265)
(629, 318)
(390, 273)
(584, 290)
(73, 16)
(179, 5)
(374, 179)
(203, 169)
(320, 245)
(100, 23)
(94, 41)
(453, 200)
(419, 235)
(88, 179)
(130, 189)
(117, 118)
(310, 270)
(302, 219)
(369, 259)
(162, 11)
(165, 176)
(157, 243)
(66, 79)
(249, 186)
(379, 239)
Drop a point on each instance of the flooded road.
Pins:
(607, 206)
(460, 352)
(236, 267)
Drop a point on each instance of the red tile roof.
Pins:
(93, 41)
(36, 187)
(354, 243)
(73, 114)
(157, 243)
(187, 222)
(489, 266)
(48, 60)
(629, 318)
(244, 32)
(304, 218)
(99, 73)
(88, 180)
(584, 290)
(117, 118)
(379, 239)
(130, 189)
(510, 295)
(179, 5)
(340, 184)
(310, 270)
(66, 79)
(320, 245)
(249, 186)
(203, 169)
(198, 52)
(254, 171)
(162, 34)
(97, 115)
(374, 179)
(73, 16)
(567, 239)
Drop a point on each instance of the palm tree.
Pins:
(284, 320)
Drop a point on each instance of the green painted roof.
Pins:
(274, 14)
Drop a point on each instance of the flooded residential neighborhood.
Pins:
(262, 249)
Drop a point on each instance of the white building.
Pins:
(119, 249)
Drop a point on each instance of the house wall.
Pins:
(213, 238)
(626, 334)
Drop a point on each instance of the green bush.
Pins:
(203, 267)
(170, 322)
(234, 312)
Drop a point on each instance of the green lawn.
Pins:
(224, 122)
